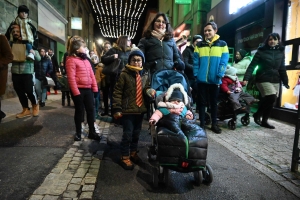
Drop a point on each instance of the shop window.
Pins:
(290, 97)
(293, 20)
(288, 54)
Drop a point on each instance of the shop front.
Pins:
(245, 26)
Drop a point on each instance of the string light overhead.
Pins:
(118, 17)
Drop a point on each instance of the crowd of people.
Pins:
(125, 92)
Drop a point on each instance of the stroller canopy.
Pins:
(163, 79)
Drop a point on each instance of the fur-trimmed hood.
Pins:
(181, 88)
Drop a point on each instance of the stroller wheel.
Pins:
(163, 176)
(198, 176)
(207, 118)
(155, 177)
(207, 175)
(245, 120)
(232, 124)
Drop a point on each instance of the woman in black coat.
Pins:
(159, 46)
(120, 50)
(269, 75)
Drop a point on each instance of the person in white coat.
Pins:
(241, 63)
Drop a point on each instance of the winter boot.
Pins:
(35, 110)
(25, 113)
(134, 157)
(126, 163)
(269, 102)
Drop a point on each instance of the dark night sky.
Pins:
(151, 4)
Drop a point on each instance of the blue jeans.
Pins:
(40, 90)
(97, 103)
(28, 47)
(132, 125)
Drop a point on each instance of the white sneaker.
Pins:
(30, 56)
(97, 129)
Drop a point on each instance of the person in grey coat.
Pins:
(159, 46)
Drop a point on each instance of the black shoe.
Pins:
(42, 104)
(256, 119)
(104, 114)
(77, 137)
(2, 115)
(94, 136)
(216, 129)
(267, 125)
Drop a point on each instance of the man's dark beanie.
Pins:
(23, 8)
(196, 37)
(242, 52)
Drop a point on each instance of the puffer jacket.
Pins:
(108, 57)
(80, 75)
(270, 62)
(188, 59)
(26, 67)
(160, 54)
(242, 66)
(210, 60)
(42, 68)
(124, 95)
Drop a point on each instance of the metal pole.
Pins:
(295, 156)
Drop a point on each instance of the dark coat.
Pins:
(42, 68)
(160, 54)
(124, 95)
(188, 59)
(270, 62)
(108, 57)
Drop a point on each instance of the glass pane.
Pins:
(293, 20)
(288, 54)
(289, 98)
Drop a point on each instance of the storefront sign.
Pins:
(76, 23)
(235, 5)
(183, 1)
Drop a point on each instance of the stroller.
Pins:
(225, 111)
(171, 150)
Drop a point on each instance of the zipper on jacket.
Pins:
(208, 67)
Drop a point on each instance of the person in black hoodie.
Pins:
(188, 59)
(269, 75)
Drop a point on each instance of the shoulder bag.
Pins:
(111, 68)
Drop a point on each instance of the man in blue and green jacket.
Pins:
(210, 61)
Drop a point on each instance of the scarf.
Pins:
(159, 35)
(134, 68)
(83, 56)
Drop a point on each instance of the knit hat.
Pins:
(196, 37)
(242, 52)
(23, 8)
(135, 51)
(177, 92)
(231, 72)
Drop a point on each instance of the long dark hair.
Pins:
(122, 42)
(169, 29)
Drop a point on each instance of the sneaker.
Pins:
(134, 157)
(216, 129)
(55, 92)
(25, 113)
(42, 104)
(30, 56)
(126, 163)
(97, 129)
(77, 137)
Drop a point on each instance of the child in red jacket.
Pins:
(233, 87)
(83, 86)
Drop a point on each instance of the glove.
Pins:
(117, 115)
(287, 86)
(151, 92)
(179, 66)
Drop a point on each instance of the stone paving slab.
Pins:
(268, 150)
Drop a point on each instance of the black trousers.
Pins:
(84, 100)
(24, 87)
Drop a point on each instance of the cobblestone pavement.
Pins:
(269, 151)
(75, 175)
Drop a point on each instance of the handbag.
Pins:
(112, 68)
(19, 52)
(48, 81)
